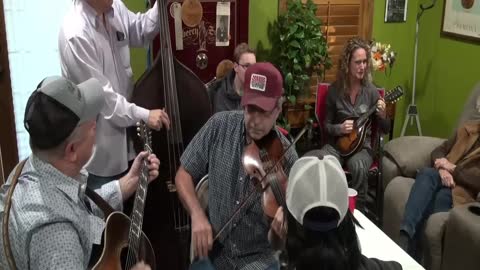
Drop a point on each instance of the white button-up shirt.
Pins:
(89, 48)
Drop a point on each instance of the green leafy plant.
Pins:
(299, 47)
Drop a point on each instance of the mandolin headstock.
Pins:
(394, 95)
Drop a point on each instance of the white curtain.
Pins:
(32, 30)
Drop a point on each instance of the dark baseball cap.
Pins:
(263, 86)
(58, 106)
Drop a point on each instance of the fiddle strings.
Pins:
(174, 135)
(166, 89)
(274, 185)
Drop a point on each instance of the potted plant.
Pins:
(299, 48)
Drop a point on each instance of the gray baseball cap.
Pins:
(58, 106)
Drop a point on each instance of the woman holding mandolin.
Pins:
(350, 97)
(238, 241)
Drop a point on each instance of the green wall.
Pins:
(400, 36)
(447, 69)
(261, 14)
(138, 56)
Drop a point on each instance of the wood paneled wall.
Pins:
(342, 19)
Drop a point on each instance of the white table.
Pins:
(376, 244)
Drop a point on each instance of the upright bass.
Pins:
(170, 85)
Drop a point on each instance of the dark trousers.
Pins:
(428, 196)
(358, 165)
(96, 182)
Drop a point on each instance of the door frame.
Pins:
(8, 136)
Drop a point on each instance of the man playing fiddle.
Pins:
(217, 150)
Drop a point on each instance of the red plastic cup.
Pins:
(352, 199)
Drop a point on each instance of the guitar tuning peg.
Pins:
(138, 129)
(138, 134)
(137, 124)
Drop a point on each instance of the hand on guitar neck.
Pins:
(125, 246)
(128, 183)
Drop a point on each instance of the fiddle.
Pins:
(266, 154)
(255, 168)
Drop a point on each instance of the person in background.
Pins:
(352, 95)
(225, 94)
(321, 229)
(94, 42)
(452, 180)
(53, 224)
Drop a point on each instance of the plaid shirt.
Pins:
(217, 150)
(50, 226)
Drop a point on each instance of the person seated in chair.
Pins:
(352, 95)
(52, 224)
(225, 94)
(321, 229)
(217, 150)
(452, 180)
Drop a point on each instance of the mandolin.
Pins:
(349, 144)
(125, 244)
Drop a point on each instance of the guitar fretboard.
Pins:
(141, 194)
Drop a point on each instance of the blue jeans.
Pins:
(428, 196)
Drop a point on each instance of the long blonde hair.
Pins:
(343, 82)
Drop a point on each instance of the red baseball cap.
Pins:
(263, 86)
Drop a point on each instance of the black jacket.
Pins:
(376, 264)
(223, 96)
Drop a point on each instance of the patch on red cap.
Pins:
(258, 82)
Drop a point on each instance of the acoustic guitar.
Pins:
(125, 244)
(349, 144)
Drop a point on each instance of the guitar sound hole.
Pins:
(124, 256)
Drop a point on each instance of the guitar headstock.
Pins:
(145, 134)
(394, 95)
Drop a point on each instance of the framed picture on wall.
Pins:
(396, 10)
(461, 18)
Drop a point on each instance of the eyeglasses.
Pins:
(245, 66)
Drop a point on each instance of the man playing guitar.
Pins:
(52, 223)
(352, 95)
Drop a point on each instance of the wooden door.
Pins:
(8, 138)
